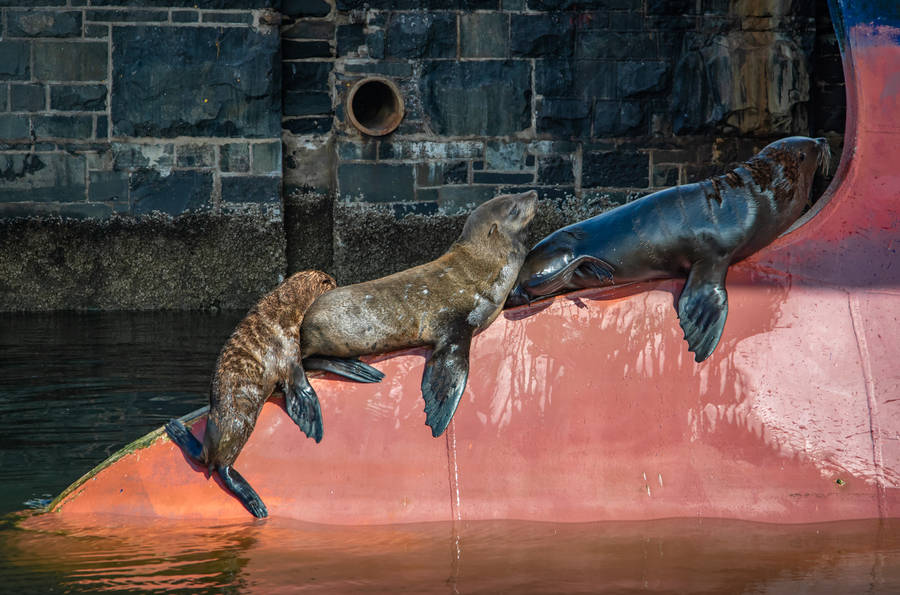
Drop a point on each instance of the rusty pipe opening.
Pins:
(375, 106)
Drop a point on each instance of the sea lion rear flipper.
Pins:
(183, 437)
(703, 307)
(242, 490)
(582, 266)
(444, 381)
(350, 368)
(302, 405)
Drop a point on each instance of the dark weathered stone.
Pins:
(123, 16)
(185, 16)
(130, 156)
(244, 18)
(44, 23)
(234, 157)
(671, 7)
(70, 61)
(81, 98)
(582, 4)
(556, 170)
(484, 35)
(542, 35)
(626, 21)
(63, 126)
(305, 8)
(617, 118)
(371, 182)
(490, 98)
(92, 30)
(490, 177)
(108, 186)
(218, 89)
(174, 194)
(306, 76)
(665, 175)
(626, 169)
(27, 98)
(505, 156)
(615, 45)
(201, 4)
(41, 177)
(306, 104)
(14, 60)
(306, 29)
(308, 125)
(637, 78)
(716, 86)
(422, 35)
(350, 38)
(102, 126)
(375, 45)
(266, 157)
(564, 118)
(298, 50)
(195, 155)
(358, 151)
(251, 189)
(584, 79)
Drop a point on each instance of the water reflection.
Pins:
(74, 388)
(278, 555)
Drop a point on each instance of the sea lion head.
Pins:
(500, 224)
(788, 166)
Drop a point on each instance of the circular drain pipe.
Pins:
(375, 106)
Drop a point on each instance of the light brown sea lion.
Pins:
(694, 231)
(262, 353)
(440, 304)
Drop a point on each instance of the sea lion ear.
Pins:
(493, 229)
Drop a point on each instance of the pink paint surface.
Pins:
(589, 407)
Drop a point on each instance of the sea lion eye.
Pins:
(514, 211)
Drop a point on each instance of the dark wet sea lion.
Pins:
(696, 230)
(263, 353)
(440, 304)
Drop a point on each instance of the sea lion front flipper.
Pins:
(235, 482)
(703, 307)
(444, 381)
(350, 368)
(183, 437)
(581, 266)
(302, 405)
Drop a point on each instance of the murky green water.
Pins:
(75, 388)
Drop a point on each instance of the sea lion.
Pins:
(440, 304)
(262, 353)
(696, 230)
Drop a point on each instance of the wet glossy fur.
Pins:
(261, 353)
(695, 230)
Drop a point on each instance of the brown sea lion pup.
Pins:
(440, 304)
(263, 353)
(694, 231)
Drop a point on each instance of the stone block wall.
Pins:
(592, 103)
(189, 153)
(148, 109)
(140, 107)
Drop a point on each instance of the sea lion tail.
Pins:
(349, 368)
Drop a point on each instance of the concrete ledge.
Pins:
(150, 262)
